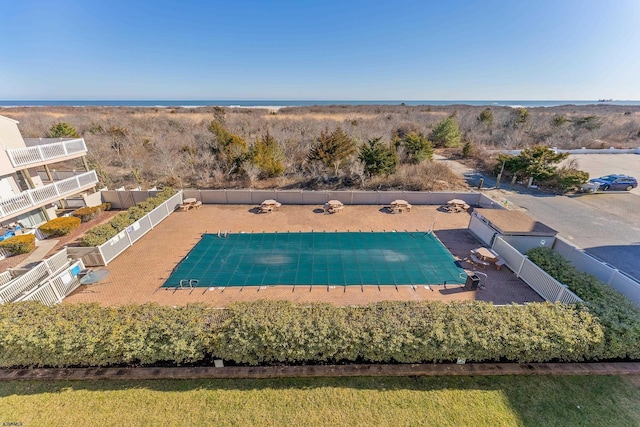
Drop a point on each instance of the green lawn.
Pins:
(366, 401)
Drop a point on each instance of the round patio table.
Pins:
(94, 277)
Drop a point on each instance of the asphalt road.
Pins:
(606, 225)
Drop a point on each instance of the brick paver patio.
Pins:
(137, 275)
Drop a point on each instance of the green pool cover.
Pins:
(332, 259)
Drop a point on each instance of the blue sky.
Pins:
(320, 50)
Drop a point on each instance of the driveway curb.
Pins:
(480, 369)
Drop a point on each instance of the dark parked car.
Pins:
(615, 182)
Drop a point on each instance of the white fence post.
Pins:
(614, 273)
(55, 291)
(104, 260)
(521, 265)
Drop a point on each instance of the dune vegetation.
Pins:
(324, 147)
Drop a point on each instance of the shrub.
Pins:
(90, 335)
(88, 213)
(98, 235)
(121, 221)
(60, 226)
(101, 233)
(22, 244)
(145, 206)
(567, 179)
(619, 317)
(265, 332)
(137, 212)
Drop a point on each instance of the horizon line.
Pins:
(308, 99)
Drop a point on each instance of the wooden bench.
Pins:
(499, 263)
(197, 205)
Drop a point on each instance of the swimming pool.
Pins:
(317, 258)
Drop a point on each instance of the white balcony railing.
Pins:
(45, 152)
(40, 196)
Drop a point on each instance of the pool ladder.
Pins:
(188, 283)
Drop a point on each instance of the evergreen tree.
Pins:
(521, 116)
(467, 149)
(332, 149)
(267, 155)
(537, 162)
(378, 158)
(231, 148)
(559, 121)
(446, 133)
(486, 117)
(62, 130)
(417, 147)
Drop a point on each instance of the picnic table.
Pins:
(456, 205)
(333, 206)
(269, 205)
(483, 257)
(485, 254)
(398, 206)
(189, 203)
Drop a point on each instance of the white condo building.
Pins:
(31, 188)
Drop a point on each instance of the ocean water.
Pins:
(294, 103)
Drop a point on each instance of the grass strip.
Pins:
(361, 401)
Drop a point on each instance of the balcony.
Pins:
(36, 155)
(37, 197)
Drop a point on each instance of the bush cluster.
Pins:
(101, 233)
(22, 244)
(59, 227)
(280, 332)
(620, 319)
(88, 213)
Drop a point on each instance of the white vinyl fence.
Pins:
(606, 273)
(54, 289)
(348, 197)
(541, 282)
(5, 277)
(119, 243)
(18, 288)
(483, 231)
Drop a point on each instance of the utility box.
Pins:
(472, 283)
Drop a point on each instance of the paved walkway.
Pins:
(483, 369)
(43, 247)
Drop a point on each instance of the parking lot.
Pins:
(606, 225)
(605, 164)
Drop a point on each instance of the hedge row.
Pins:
(101, 233)
(276, 332)
(88, 213)
(22, 244)
(619, 317)
(58, 227)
